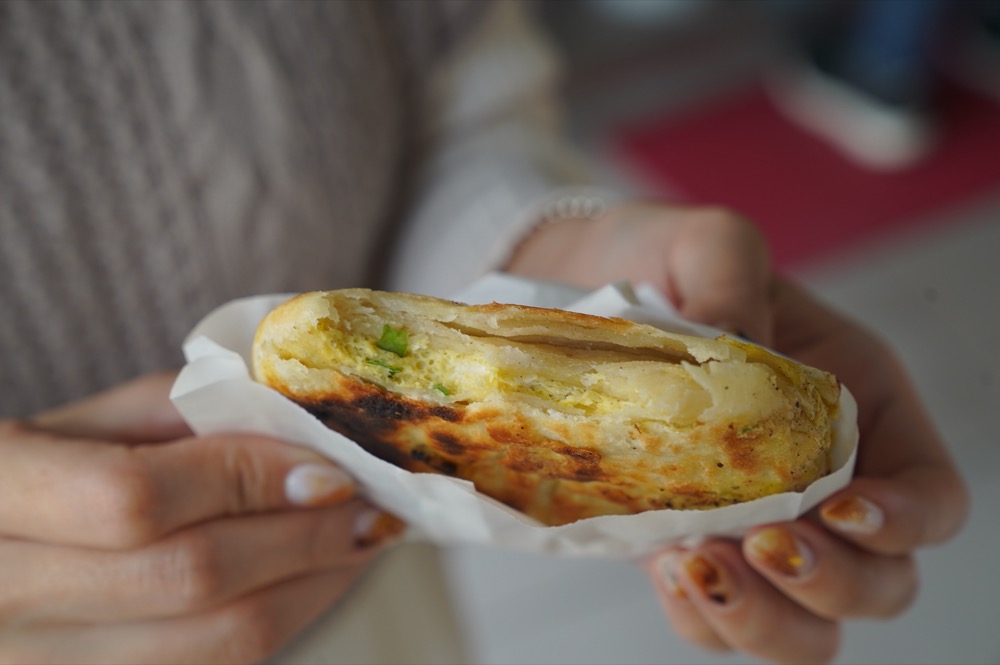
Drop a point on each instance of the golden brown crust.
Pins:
(560, 415)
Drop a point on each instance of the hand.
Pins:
(125, 539)
(713, 265)
(780, 593)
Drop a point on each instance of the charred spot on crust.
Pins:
(522, 461)
(445, 413)
(448, 443)
(380, 405)
(426, 456)
(585, 455)
(372, 417)
(377, 410)
(367, 432)
(615, 495)
(583, 463)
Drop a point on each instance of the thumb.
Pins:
(720, 275)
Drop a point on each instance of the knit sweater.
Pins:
(159, 159)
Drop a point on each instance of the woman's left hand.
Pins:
(780, 593)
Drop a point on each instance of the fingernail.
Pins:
(709, 578)
(315, 484)
(853, 514)
(782, 552)
(375, 527)
(666, 568)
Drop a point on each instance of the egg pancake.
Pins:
(561, 416)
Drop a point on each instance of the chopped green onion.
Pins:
(441, 389)
(393, 340)
(378, 363)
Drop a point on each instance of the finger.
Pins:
(682, 614)
(193, 570)
(918, 506)
(137, 412)
(829, 576)
(248, 630)
(921, 498)
(720, 274)
(103, 495)
(748, 612)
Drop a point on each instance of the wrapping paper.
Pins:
(216, 393)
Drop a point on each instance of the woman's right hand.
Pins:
(125, 539)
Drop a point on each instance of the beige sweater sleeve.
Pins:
(499, 156)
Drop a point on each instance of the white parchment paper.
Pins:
(215, 393)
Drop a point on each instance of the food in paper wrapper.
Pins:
(562, 416)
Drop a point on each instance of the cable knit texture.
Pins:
(159, 159)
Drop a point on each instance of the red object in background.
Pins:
(811, 202)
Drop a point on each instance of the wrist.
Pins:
(627, 241)
(566, 238)
(555, 232)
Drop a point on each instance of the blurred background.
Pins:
(868, 150)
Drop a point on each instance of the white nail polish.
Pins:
(373, 527)
(316, 484)
(364, 523)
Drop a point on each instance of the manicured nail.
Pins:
(315, 484)
(781, 552)
(375, 527)
(853, 514)
(666, 568)
(709, 578)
